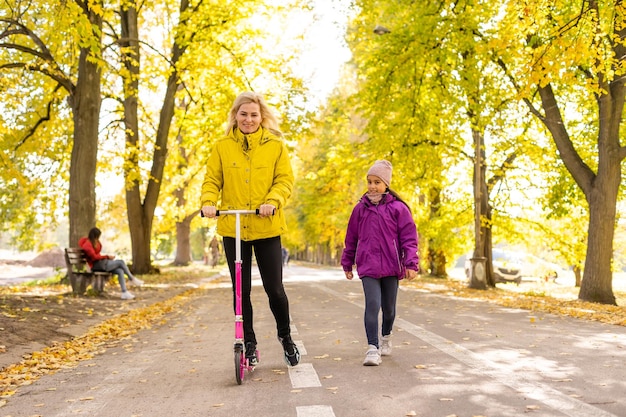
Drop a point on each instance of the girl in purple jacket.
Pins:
(381, 241)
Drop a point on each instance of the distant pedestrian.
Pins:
(215, 251)
(381, 240)
(285, 256)
(107, 263)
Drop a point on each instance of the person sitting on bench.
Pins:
(107, 263)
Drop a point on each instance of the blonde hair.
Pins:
(268, 119)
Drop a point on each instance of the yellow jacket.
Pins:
(247, 179)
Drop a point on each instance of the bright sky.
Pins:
(316, 39)
(326, 49)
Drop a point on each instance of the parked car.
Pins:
(507, 266)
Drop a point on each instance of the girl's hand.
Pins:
(349, 274)
(111, 256)
(410, 274)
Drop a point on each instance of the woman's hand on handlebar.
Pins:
(209, 211)
(266, 210)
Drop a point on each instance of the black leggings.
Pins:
(268, 255)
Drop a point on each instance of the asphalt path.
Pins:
(451, 357)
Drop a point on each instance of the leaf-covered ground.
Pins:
(547, 297)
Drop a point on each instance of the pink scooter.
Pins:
(241, 362)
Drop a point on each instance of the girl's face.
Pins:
(375, 184)
(249, 117)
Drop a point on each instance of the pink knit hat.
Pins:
(382, 169)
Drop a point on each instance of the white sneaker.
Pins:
(385, 347)
(372, 357)
(126, 295)
(136, 282)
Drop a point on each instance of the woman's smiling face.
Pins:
(249, 118)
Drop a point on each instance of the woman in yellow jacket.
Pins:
(250, 168)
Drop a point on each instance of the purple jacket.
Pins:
(381, 240)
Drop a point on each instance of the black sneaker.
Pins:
(292, 355)
(253, 360)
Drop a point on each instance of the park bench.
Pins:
(80, 274)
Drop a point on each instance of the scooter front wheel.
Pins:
(240, 366)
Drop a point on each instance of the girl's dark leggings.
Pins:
(268, 255)
(380, 293)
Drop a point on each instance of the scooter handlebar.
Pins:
(224, 212)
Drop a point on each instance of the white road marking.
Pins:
(536, 390)
(304, 376)
(315, 411)
(301, 347)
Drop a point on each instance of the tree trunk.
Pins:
(183, 228)
(85, 102)
(597, 283)
(488, 241)
(437, 262)
(577, 275)
(436, 255)
(131, 60)
(183, 241)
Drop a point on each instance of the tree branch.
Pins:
(33, 129)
